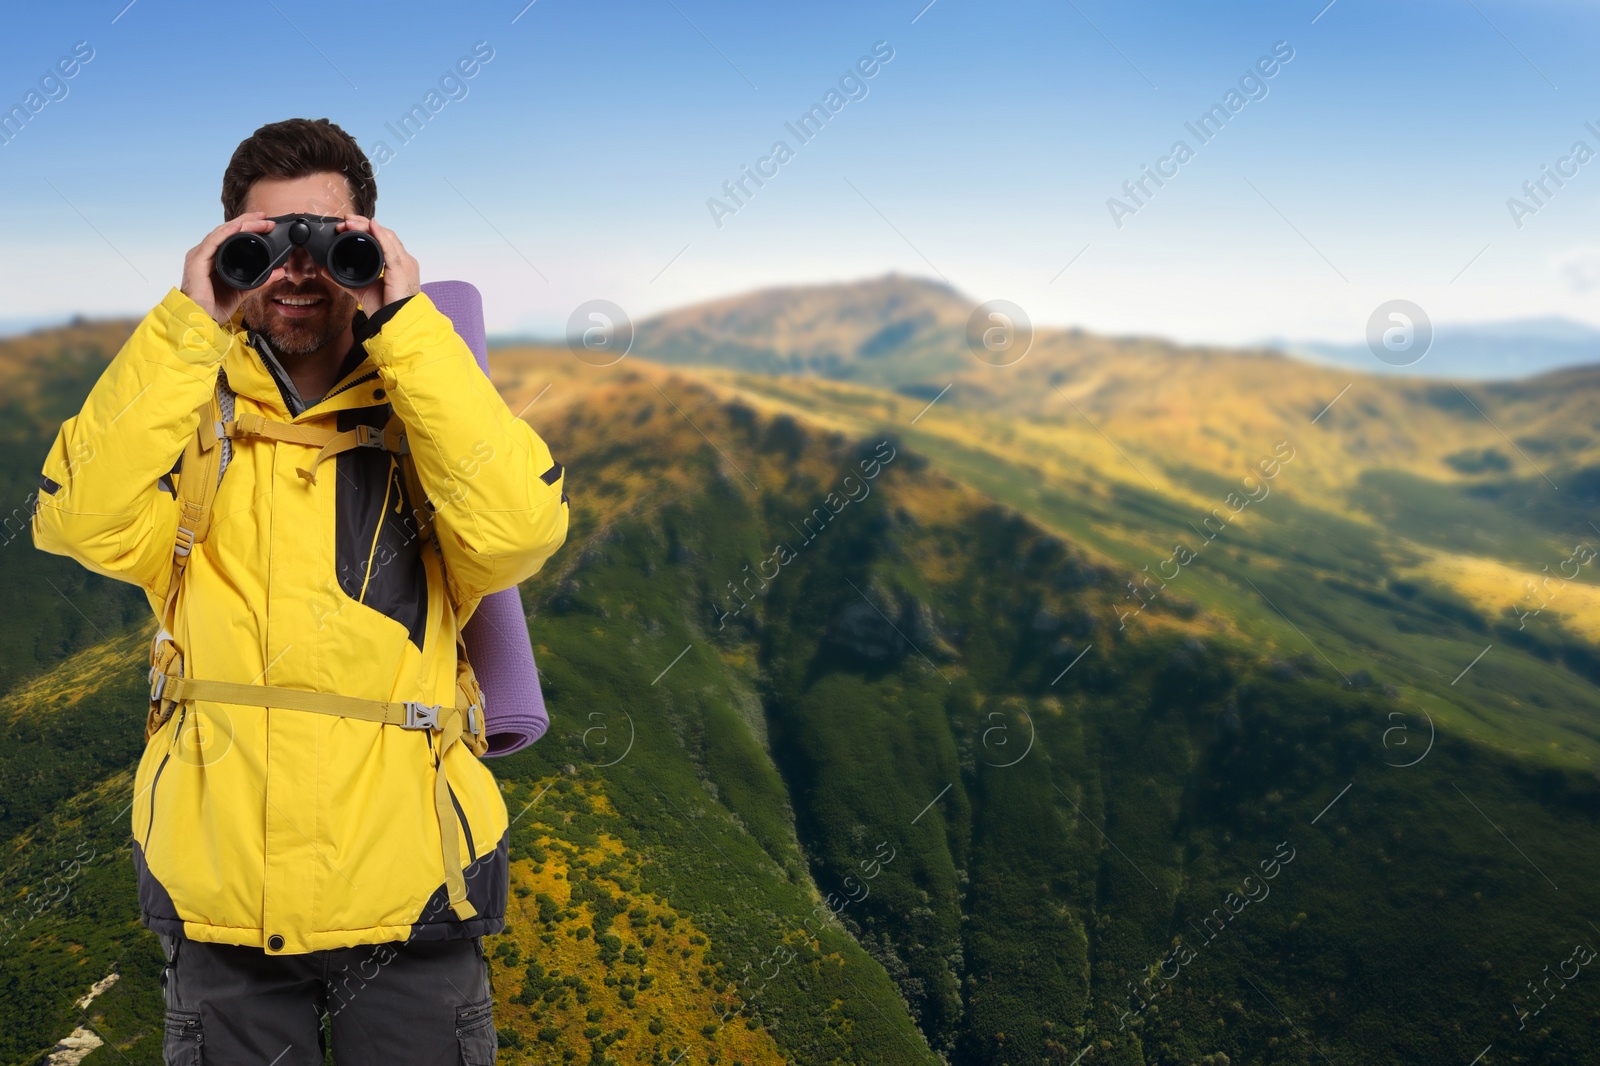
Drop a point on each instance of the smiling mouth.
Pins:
(297, 306)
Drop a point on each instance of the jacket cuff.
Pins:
(375, 322)
(414, 329)
(191, 334)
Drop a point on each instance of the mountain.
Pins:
(883, 331)
(1493, 350)
(1319, 788)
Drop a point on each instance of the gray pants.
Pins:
(424, 1002)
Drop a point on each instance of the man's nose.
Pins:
(299, 266)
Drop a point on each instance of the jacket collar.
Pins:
(253, 370)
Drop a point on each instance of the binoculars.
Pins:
(353, 259)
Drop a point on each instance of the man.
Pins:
(312, 828)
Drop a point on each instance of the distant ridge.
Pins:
(12, 326)
(905, 332)
(1489, 351)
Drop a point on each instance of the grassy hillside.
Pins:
(863, 750)
(54, 607)
(1377, 570)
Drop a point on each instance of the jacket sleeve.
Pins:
(100, 499)
(498, 497)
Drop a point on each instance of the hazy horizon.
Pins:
(1344, 352)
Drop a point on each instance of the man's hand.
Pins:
(401, 275)
(219, 300)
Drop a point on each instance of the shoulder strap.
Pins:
(198, 477)
(199, 472)
(394, 440)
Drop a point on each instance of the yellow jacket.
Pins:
(280, 828)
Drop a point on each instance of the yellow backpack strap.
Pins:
(198, 476)
(251, 425)
(422, 509)
(197, 491)
(360, 437)
(331, 441)
(470, 697)
(454, 882)
(394, 439)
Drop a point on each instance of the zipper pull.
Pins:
(177, 730)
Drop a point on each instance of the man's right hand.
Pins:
(219, 300)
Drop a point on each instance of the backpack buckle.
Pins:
(421, 715)
(369, 437)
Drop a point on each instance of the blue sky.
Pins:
(580, 160)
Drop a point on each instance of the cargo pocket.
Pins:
(475, 1031)
(184, 1038)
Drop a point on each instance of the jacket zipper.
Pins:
(176, 729)
(346, 387)
(472, 852)
(383, 514)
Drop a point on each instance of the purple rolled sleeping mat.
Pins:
(498, 644)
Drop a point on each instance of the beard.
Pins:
(300, 336)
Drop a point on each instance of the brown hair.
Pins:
(294, 148)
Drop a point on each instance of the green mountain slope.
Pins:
(54, 607)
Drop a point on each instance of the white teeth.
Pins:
(301, 301)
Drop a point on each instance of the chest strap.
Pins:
(410, 714)
(452, 724)
(332, 442)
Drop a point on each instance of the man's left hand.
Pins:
(401, 276)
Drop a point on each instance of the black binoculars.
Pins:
(352, 258)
